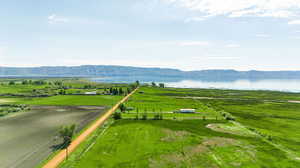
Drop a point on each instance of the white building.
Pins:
(187, 110)
(91, 93)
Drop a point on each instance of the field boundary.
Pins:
(61, 156)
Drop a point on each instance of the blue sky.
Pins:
(184, 34)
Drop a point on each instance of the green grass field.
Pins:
(100, 100)
(280, 120)
(162, 100)
(264, 133)
(51, 86)
(48, 93)
(186, 143)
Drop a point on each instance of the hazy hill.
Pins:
(112, 71)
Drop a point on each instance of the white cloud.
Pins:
(2, 50)
(233, 46)
(194, 43)
(197, 18)
(194, 19)
(214, 57)
(223, 58)
(240, 8)
(262, 35)
(294, 22)
(297, 38)
(52, 19)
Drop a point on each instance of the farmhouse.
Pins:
(91, 93)
(187, 110)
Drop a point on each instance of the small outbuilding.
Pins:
(187, 110)
(91, 93)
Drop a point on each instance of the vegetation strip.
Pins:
(53, 163)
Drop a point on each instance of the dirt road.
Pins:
(56, 160)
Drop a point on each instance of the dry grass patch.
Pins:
(3, 101)
(231, 128)
(188, 155)
(172, 136)
(219, 142)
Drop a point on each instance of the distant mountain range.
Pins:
(126, 71)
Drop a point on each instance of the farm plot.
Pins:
(29, 137)
(173, 143)
(261, 131)
(279, 121)
(156, 100)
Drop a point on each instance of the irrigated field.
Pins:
(264, 133)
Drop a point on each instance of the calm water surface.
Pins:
(279, 85)
(287, 85)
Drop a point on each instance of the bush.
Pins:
(156, 117)
(144, 116)
(227, 116)
(117, 116)
(161, 116)
(122, 107)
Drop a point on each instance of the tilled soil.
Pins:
(27, 138)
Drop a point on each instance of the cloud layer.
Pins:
(239, 8)
(52, 19)
(294, 22)
(194, 43)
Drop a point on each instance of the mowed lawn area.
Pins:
(191, 141)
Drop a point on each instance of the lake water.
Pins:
(279, 85)
(287, 85)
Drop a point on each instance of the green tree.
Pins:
(62, 92)
(137, 83)
(162, 85)
(11, 83)
(67, 133)
(144, 116)
(128, 90)
(122, 107)
(153, 84)
(24, 82)
(121, 92)
(117, 116)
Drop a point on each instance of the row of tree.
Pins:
(144, 116)
(36, 82)
(161, 85)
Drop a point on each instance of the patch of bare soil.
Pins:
(188, 154)
(293, 101)
(230, 129)
(196, 97)
(220, 142)
(173, 135)
(5, 101)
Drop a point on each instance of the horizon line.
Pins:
(147, 67)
